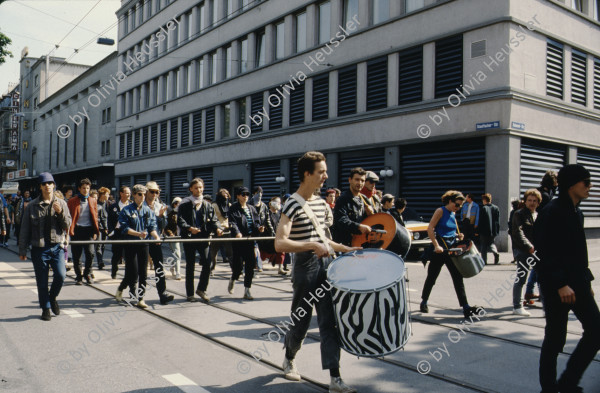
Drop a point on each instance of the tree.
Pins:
(4, 52)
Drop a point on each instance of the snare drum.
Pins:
(370, 302)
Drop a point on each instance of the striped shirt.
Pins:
(302, 228)
(249, 219)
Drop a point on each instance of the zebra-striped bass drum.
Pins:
(369, 298)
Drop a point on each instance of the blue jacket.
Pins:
(138, 220)
(474, 211)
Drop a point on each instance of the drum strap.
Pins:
(311, 216)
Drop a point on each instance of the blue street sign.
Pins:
(518, 126)
(488, 125)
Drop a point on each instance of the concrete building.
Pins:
(73, 130)
(8, 147)
(40, 79)
(477, 96)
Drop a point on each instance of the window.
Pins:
(578, 77)
(324, 22)
(347, 91)
(227, 120)
(201, 15)
(448, 65)
(163, 136)
(597, 10)
(174, 134)
(381, 11)
(146, 96)
(413, 5)
(577, 5)
(65, 155)
(34, 124)
(149, 9)
(244, 56)
(144, 140)
(245, 4)
(554, 69)
(50, 155)
(121, 146)
(57, 151)
(74, 143)
(190, 28)
(153, 138)
(35, 102)
(301, 32)
(85, 122)
(215, 14)
(188, 87)
(185, 131)
(103, 116)
(275, 110)
(320, 97)
(137, 142)
(102, 148)
(108, 147)
(129, 144)
(260, 49)
(350, 10)
(256, 105)
(228, 62)
(410, 81)
(210, 124)
(377, 81)
(297, 105)
(37, 81)
(280, 41)
(165, 88)
(241, 111)
(197, 128)
(596, 83)
(108, 114)
(177, 83)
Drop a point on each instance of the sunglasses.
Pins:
(587, 182)
(154, 191)
(140, 194)
(246, 194)
(458, 205)
(46, 183)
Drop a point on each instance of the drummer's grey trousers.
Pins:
(309, 275)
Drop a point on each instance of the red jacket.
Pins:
(75, 209)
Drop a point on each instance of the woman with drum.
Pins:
(443, 232)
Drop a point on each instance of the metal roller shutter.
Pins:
(145, 131)
(347, 91)
(536, 159)
(197, 128)
(578, 77)
(163, 136)
(294, 179)
(185, 130)
(320, 109)
(275, 112)
(377, 81)
(448, 66)
(210, 124)
(140, 179)
(177, 188)
(161, 179)
(372, 160)
(264, 174)
(596, 83)
(297, 105)
(410, 81)
(124, 181)
(153, 138)
(591, 160)
(429, 170)
(174, 133)
(137, 143)
(256, 105)
(206, 174)
(554, 69)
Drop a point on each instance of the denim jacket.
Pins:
(33, 224)
(138, 220)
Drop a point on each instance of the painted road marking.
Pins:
(73, 313)
(184, 383)
(16, 278)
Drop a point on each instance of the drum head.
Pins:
(382, 221)
(366, 270)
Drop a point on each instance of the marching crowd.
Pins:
(309, 231)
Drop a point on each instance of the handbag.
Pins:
(468, 260)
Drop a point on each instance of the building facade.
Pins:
(9, 144)
(479, 97)
(73, 133)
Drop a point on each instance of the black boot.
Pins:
(46, 315)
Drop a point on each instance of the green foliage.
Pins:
(4, 52)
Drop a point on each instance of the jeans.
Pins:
(243, 253)
(226, 252)
(533, 279)
(117, 255)
(310, 274)
(176, 249)
(82, 233)
(155, 251)
(43, 258)
(433, 271)
(136, 266)
(257, 258)
(522, 272)
(557, 316)
(486, 244)
(190, 265)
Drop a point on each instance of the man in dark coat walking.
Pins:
(565, 281)
(489, 228)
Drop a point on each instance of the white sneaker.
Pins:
(119, 296)
(173, 270)
(338, 386)
(178, 276)
(247, 294)
(142, 304)
(289, 370)
(230, 286)
(521, 312)
(203, 295)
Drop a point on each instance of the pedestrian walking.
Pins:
(489, 228)
(114, 229)
(44, 225)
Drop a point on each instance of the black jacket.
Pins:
(113, 218)
(394, 213)
(238, 223)
(348, 213)
(268, 246)
(522, 230)
(562, 249)
(187, 215)
(489, 220)
(102, 216)
(546, 197)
